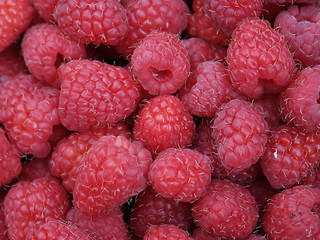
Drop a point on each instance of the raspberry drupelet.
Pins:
(166, 232)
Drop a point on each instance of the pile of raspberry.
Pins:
(160, 120)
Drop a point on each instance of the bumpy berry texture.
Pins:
(313, 178)
(56, 229)
(288, 217)
(299, 103)
(201, 234)
(300, 27)
(44, 47)
(166, 232)
(16, 15)
(94, 93)
(160, 63)
(3, 227)
(106, 226)
(258, 58)
(182, 174)
(67, 158)
(289, 155)
(227, 14)
(35, 168)
(115, 170)
(89, 21)
(150, 208)
(255, 237)
(29, 110)
(226, 209)
(164, 123)
(146, 16)
(240, 132)
(45, 9)
(30, 204)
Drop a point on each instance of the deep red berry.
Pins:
(166, 232)
(313, 178)
(201, 234)
(3, 227)
(35, 168)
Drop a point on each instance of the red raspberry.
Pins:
(254, 237)
(35, 168)
(103, 184)
(145, 16)
(16, 15)
(44, 48)
(29, 110)
(299, 102)
(201, 234)
(164, 123)
(240, 133)
(166, 232)
(259, 59)
(290, 215)
(227, 14)
(291, 1)
(30, 204)
(300, 27)
(92, 21)
(45, 8)
(226, 209)
(3, 227)
(94, 93)
(160, 63)
(67, 158)
(289, 155)
(57, 229)
(313, 178)
(106, 226)
(58, 133)
(150, 208)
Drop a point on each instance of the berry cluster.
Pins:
(160, 120)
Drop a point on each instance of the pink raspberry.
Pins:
(166, 232)
(258, 58)
(226, 209)
(44, 48)
(188, 178)
(67, 158)
(289, 155)
(92, 21)
(104, 184)
(150, 208)
(160, 63)
(164, 123)
(29, 110)
(94, 93)
(290, 214)
(45, 8)
(300, 27)
(35, 168)
(105, 226)
(299, 102)
(27, 205)
(240, 133)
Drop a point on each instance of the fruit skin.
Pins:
(201, 234)
(115, 170)
(27, 205)
(299, 102)
(94, 93)
(3, 227)
(258, 58)
(226, 209)
(166, 232)
(289, 155)
(46, 8)
(288, 217)
(164, 123)
(35, 168)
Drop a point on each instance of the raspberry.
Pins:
(226, 209)
(104, 184)
(289, 155)
(58, 133)
(45, 8)
(313, 178)
(164, 123)
(35, 168)
(287, 217)
(299, 102)
(160, 63)
(44, 48)
(29, 110)
(146, 16)
(94, 93)
(3, 227)
(259, 59)
(240, 133)
(57, 229)
(106, 226)
(92, 21)
(201, 234)
(300, 27)
(254, 237)
(30, 204)
(166, 232)
(182, 174)
(67, 158)
(16, 15)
